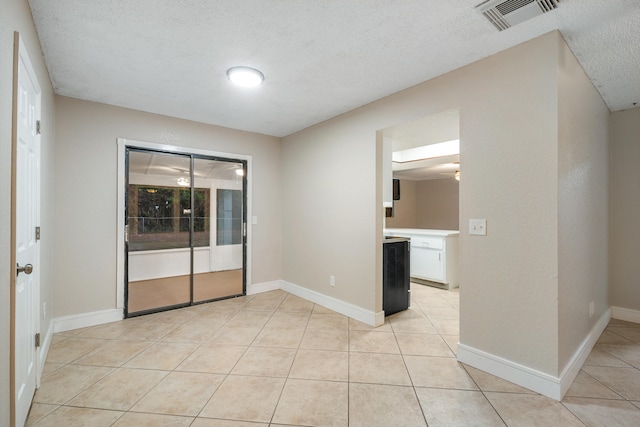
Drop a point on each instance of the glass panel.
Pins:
(218, 267)
(158, 215)
(229, 220)
(201, 217)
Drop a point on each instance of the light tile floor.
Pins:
(274, 359)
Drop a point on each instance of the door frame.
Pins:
(122, 144)
(22, 55)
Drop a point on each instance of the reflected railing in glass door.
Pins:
(149, 233)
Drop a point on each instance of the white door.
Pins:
(27, 182)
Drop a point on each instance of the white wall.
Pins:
(624, 175)
(16, 16)
(583, 119)
(509, 147)
(86, 194)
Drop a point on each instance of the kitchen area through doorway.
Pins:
(421, 179)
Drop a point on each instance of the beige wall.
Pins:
(86, 171)
(624, 214)
(329, 205)
(15, 16)
(437, 204)
(404, 210)
(509, 145)
(431, 204)
(583, 121)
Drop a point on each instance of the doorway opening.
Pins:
(423, 162)
(185, 229)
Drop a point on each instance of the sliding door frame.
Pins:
(121, 262)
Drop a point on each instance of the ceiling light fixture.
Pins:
(245, 76)
(185, 182)
(240, 172)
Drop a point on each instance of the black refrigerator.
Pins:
(396, 294)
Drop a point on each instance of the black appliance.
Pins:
(396, 189)
(396, 294)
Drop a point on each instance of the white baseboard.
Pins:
(68, 323)
(524, 376)
(540, 382)
(625, 314)
(572, 369)
(84, 320)
(349, 310)
(263, 287)
(45, 344)
(379, 319)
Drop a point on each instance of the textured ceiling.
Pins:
(321, 58)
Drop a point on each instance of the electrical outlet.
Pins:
(591, 309)
(332, 281)
(478, 227)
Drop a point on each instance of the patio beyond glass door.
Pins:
(185, 221)
(219, 205)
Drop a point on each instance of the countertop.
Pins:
(395, 239)
(419, 231)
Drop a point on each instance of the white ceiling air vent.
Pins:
(507, 13)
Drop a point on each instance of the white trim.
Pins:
(572, 369)
(379, 319)
(83, 320)
(258, 288)
(122, 143)
(68, 323)
(524, 376)
(625, 314)
(76, 321)
(540, 382)
(339, 306)
(45, 344)
(120, 225)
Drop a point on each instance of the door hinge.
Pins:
(37, 233)
(38, 340)
(37, 127)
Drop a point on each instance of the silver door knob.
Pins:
(27, 269)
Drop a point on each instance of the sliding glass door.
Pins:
(185, 222)
(219, 229)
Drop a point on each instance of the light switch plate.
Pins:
(254, 220)
(478, 227)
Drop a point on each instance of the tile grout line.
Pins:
(419, 310)
(413, 386)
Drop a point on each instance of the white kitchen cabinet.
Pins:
(427, 264)
(434, 254)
